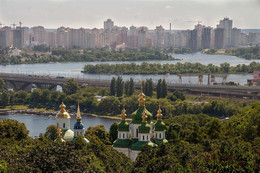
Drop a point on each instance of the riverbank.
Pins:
(37, 112)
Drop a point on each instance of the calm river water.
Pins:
(38, 124)
(73, 69)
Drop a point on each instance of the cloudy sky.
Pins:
(183, 14)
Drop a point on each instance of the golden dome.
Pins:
(159, 114)
(141, 98)
(123, 114)
(144, 117)
(62, 113)
(78, 114)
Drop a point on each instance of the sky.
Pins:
(183, 14)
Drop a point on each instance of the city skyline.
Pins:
(151, 13)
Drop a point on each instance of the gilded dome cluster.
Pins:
(62, 113)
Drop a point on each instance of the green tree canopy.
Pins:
(70, 87)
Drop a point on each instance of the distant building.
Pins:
(38, 35)
(226, 24)
(108, 24)
(193, 40)
(235, 37)
(6, 37)
(18, 37)
(256, 80)
(219, 38)
(199, 29)
(121, 47)
(15, 52)
(159, 37)
(206, 38)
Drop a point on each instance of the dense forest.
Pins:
(197, 143)
(179, 68)
(88, 55)
(246, 53)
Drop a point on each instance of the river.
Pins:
(73, 69)
(38, 124)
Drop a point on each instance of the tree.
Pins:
(5, 98)
(176, 95)
(164, 89)
(119, 86)
(79, 142)
(225, 67)
(148, 87)
(51, 132)
(127, 88)
(159, 89)
(100, 132)
(213, 128)
(2, 83)
(131, 87)
(113, 87)
(36, 96)
(110, 105)
(173, 132)
(3, 166)
(13, 129)
(113, 132)
(70, 87)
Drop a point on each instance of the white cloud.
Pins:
(168, 6)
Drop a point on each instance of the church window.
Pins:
(123, 135)
(143, 138)
(160, 135)
(136, 132)
(147, 137)
(57, 124)
(156, 135)
(63, 125)
(119, 135)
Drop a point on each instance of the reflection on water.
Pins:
(38, 124)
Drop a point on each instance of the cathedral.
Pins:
(63, 124)
(141, 131)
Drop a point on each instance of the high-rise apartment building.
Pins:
(142, 33)
(193, 36)
(226, 24)
(206, 38)
(159, 37)
(199, 28)
(38, 35)
(235, 37)
(219, 38)
(18, 37)
(108, 24)
(6, 37)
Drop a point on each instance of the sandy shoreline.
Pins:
(51, 113)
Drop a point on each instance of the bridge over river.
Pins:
(27, 82)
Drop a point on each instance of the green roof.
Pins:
(160, 126)
(59, 140)
(159, 141)
(137, 115)
(144, 128)
(138, 145)
(123, 126)
(122, 143)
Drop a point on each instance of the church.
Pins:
(63, 124)
(141, 131)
